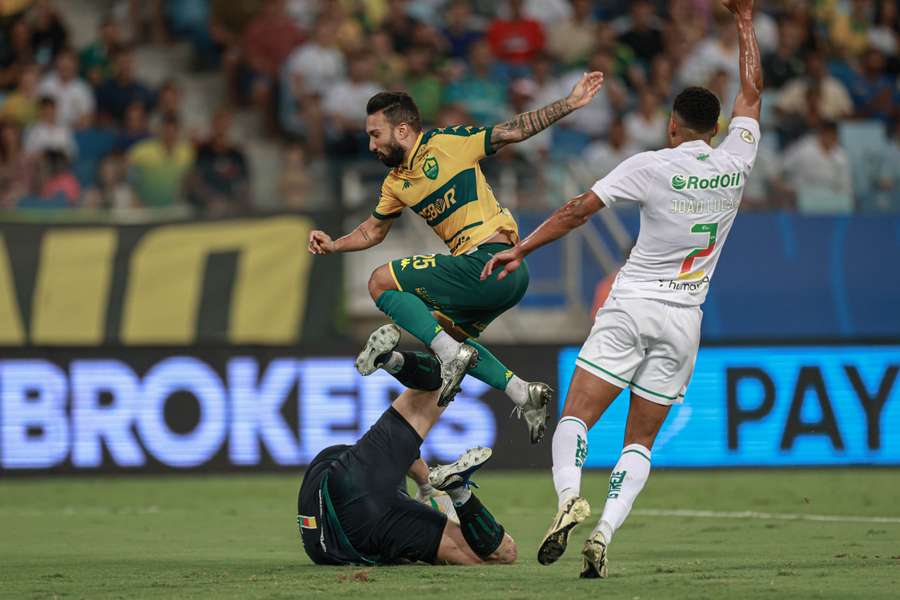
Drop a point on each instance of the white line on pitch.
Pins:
(748, 514)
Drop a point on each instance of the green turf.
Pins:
(235, 537)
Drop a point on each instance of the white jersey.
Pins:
(689, 197)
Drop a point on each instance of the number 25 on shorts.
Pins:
(688, 263)
(419, 261)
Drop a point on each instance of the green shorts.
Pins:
(451, 286)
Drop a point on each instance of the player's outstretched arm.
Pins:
(524, 125)
(573, 214)
(370, 232)
(748, 101)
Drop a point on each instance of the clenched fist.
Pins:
(320, 242)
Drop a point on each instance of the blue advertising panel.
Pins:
(772, 406)
(159, 411)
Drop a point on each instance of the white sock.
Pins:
(625, 483)
(444, 346)
(569, 454)
(460, 495)
(394, 363)
(517, 390)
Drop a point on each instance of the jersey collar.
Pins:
(415, 150)
(694, 144)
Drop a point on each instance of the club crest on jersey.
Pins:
(747, 136)
(430, 168)
(693, 182)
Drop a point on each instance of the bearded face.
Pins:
(390, 153)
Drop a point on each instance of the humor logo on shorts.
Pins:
(430, 168)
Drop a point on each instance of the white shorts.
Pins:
(647, 345)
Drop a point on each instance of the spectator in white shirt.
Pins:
(834, 101)
(48, 133)
(646, 125)
(318, 63)
(817, 171)
(345, 106)
(719, 53)
(74, 97)
(603, 157)
(595, 118)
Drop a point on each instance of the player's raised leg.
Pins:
(412, 314)
(531, 398)
(628, 477)
(415, 370)
(455, 282)
(589, 396)
(486, 538)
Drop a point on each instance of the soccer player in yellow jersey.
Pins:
(440, 298)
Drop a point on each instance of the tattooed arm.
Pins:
(523, 126)
(370, 232)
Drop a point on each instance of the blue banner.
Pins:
(770, 406)
(781, 276)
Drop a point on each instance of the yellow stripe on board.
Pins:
(72, 289)
(269, 297)
(12, 333)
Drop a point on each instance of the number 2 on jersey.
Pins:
(688, 263)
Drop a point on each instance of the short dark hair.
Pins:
(698, 108)
(398, 107)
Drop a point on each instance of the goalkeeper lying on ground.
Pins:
(353, 507)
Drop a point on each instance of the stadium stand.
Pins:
(305, 68)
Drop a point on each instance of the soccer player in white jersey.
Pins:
(647, 333)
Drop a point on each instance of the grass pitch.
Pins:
(235, 537)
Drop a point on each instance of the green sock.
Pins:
(482, 532)
(410, 313)
(489, 369)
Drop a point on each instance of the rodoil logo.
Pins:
(693, 182)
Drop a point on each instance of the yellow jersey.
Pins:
(442, 182)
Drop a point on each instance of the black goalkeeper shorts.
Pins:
(367, 487)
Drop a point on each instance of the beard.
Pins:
(391, 156)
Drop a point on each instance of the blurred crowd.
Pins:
(78, 127)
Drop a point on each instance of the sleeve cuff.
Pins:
(488, 146)
(382, 217)
(751, 125)
(600, 190)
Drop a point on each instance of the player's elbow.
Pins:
(376, 235)
(748, 103)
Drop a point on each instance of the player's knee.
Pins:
(380, 282)
(577, 404)
(582, 405)
(641, 433)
